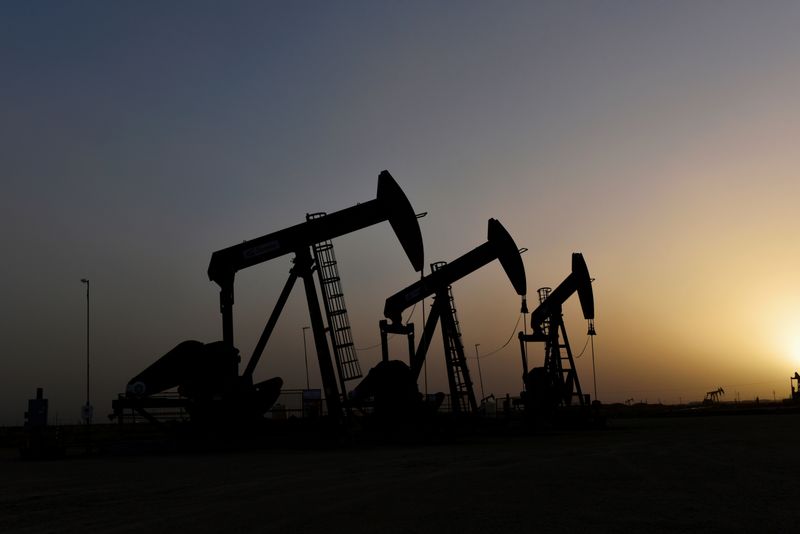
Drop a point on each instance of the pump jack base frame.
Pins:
(166, 409)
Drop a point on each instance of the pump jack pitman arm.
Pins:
(499, 246)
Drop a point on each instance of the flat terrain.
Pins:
(692, 474)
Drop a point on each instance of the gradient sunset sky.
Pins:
(658, 138)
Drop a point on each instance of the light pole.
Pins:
(480, 375)
(305, 355)
(87, 409)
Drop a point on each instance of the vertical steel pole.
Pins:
(594, 373)
(88, 414)
(305, 355)
(87, 343)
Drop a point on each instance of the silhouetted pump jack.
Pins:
(208, 374)
(393, 384)
(556, 383)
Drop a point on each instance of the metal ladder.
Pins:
(344, 351)
(462, 396)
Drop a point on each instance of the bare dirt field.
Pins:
(688, 474)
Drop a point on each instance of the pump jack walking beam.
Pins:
(390, 205)
(577, 281)
(499, 246)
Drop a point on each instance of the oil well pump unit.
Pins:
(392, 384)
(555, 383)
(207, 375)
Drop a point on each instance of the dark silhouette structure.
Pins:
(556, 382)
(393, 384)
(712, 397)
(207, 374)
(40, 441)
(36, 416)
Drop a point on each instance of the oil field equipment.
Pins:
(207, 375)
(393, 384)
(712, 397)
(556, 382)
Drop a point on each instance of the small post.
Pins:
(305, 355)
(87, 411)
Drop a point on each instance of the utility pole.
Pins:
(305, 355)
(87, 409)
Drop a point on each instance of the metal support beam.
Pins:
(269, 327)
(524, 353)
(425, 341)
(382, 324)
(226, 309)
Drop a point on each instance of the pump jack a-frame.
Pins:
(219, 377)
(499, 246)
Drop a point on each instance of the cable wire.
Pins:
(507, 342)
(584, 347)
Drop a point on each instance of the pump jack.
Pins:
(211, 371)
(556, 383)
(394, 378)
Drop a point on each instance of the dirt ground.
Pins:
(694, 474)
